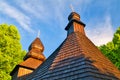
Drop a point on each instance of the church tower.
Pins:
(77, 58)
(32, 60)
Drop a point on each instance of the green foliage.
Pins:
(116, 39)
(10, 49)
(112, 49)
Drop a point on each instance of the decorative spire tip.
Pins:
(71, 7)
(38, 34)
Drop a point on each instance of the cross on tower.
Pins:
(71, 7)
(38, 34)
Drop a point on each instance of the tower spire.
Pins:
(36, 50)
(32, 60)
(75, 24)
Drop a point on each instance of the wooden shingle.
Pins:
(77, 58)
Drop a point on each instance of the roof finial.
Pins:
(71, 7)
(38, 34)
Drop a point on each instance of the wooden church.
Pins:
(77, 58)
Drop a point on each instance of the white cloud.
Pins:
(46, 11)
(102, 33)
(34, 7)
(14, 13)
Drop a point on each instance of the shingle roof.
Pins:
(31, 63)
(36, 44)
(32, 60)
(77, 58)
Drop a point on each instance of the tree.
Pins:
(112, 49)
(11, 52)
(116, 39)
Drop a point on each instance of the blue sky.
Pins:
(102, 18)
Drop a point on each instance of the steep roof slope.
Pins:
(77, 58)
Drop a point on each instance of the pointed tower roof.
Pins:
(35, 55)
(35, 50)
(32, 60)
(77, 58)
